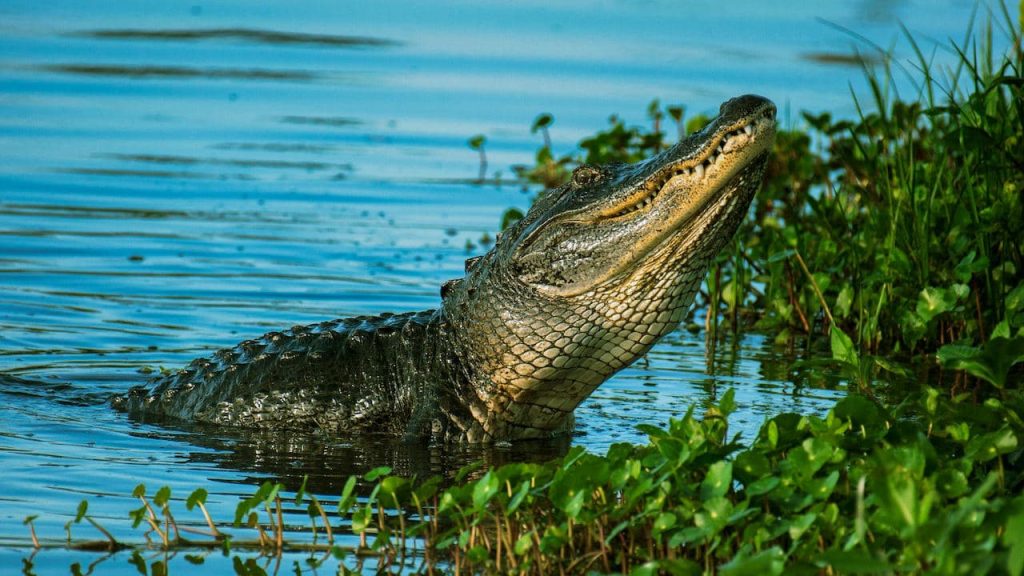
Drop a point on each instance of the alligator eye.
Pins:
(585, 175)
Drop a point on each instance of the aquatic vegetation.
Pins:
(902, 226)
(932, 485)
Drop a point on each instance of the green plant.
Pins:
(932, 485)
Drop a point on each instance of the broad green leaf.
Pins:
(663, 522)
(766, 562)
(523, 543)
(992, 362)
(376, 473)
(855, 562)
(198, 496)
(717, 481)
(485, 489)
(162, 496)
(843, 349)
(1013, 539)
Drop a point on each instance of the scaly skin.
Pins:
(595, 273)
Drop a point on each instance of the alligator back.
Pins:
(363, 374)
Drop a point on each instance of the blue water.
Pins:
(164, 194)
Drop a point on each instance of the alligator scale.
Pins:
(594, 274)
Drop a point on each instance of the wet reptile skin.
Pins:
(596, 272)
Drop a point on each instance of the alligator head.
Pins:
(596, 272)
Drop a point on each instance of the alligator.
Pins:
(582, 286)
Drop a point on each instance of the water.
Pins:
(177, 178)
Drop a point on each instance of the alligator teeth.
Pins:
(699, 170)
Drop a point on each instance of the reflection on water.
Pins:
(174, 180)
(182, 72)
(245, 34)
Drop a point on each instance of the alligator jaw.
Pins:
(613, 225)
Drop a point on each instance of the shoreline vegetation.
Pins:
(895, 235)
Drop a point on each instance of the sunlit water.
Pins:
(177, 178)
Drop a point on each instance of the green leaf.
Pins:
(773, 434)
(854, 562)
(517, 498)
(800, 524)
(523, 544)
(1002, 330)
(1013, 539)
(138, 515)
(541, 121)
(843, 349)
(751, 465)
(770, 561)
(376, 473)
(951, 483)
(1015, 299)
(362, 517)
(300, 494)
(395, 488)
(163, 496)
(844, 301)
(347, 499)
(933, 301)
(727, 405)
(717, 481)
(477, 142)
(992, 362)
(477, 554)
(762, 486)
(510, 217)
(83, 507)
(198, 496)
(485, 489)
(866, 418)
(987, 446)
(663, 522)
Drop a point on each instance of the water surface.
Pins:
(177, 178)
